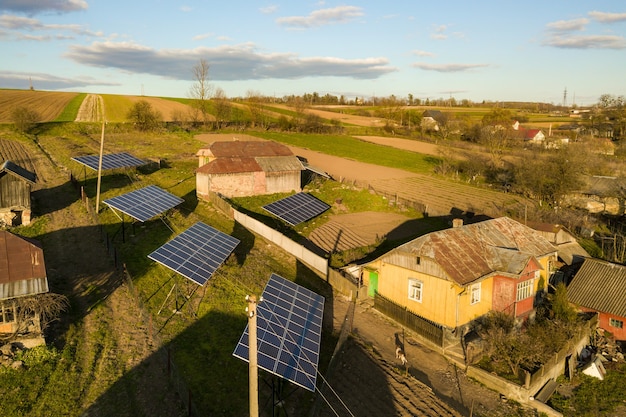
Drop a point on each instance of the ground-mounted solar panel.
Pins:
(196, 253)
(289, 332)
(145, 203)
(297, 208)
(110, 161)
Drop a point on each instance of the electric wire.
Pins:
(318, 373)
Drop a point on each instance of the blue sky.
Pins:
(477, 50)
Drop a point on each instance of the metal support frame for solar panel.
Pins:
(196, 253)
(110, 161)
(297, 208)
(143, 204)
(289, 332)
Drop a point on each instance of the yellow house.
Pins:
(455, 275)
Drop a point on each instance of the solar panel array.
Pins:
(145, 203)
(196, 253)
(289, 331)
(110, 161)
(297, 208)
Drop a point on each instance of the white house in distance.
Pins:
(246, 168)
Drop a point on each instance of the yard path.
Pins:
(116, 368)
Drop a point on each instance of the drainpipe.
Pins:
(458, 299)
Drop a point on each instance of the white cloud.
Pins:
(341, 14)
(228, 62)
(607, 17)
(186, 9)
(269, 9)
(18, 23)
(202, 36)
(587, 42)
(22, 80)
(32, 7)
(422, 53)
(568, 25)
(448, 67)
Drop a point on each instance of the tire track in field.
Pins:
(91, 109)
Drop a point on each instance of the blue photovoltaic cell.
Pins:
(289, 332)
(297, 208)
(145, 203)
(196, 253)
(110, 161)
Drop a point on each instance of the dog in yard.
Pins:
(400, 355)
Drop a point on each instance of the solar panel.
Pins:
(289, 332)
(110, 161)
(196, 253)
(145, 203)
(297, 208)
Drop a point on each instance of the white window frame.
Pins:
(525, 289)
(475, 293)
(619, 324)
(416, 290)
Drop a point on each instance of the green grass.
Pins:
(70, 111)
(352, 148)
(116, 107)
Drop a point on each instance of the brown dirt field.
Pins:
(343, 118)
(167, 108)
(49, 104)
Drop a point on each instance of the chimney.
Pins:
(457, 222)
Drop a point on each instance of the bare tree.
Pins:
(256, 108)
(221, 106)
(201, 89)
(44, 308)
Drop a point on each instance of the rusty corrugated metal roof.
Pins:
(22, 267)
(279, 163)
(239, 165)
(230, 166)
(469, 252)
(601, 286)
(245, 149)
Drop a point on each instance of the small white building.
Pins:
(246, 168)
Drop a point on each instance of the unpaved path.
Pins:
(90, 109)
(429, 386)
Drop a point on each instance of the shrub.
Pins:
(24, 118)
(143, 116)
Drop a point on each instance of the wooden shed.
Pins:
(246, 168)
(22, 274)
(15, 188)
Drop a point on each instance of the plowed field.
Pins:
(48, 104)
(18, 154)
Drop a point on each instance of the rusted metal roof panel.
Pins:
(601, 286)
(245, 149)
(467, 253)
(230, 166)
(23, 288)
(279, 163)
(22, 266)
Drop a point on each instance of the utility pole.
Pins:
(100, 159)
(253, 375)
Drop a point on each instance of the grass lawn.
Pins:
(352, 148)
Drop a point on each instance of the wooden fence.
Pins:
(429, 330)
